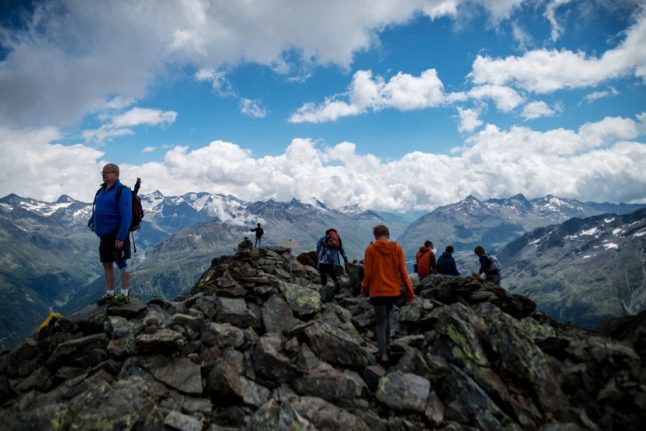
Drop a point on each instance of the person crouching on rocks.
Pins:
(384, 269)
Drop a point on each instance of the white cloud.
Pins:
(148, 149)
(550, 14)
(596, 95)
(144, 116)
(32, 165)
(72, 55)
(521, 36)
(469, 120)
(544, 71)
(121, 124)
(537, 109)
(218, 80)
(505, 98)
(252, 108)
(600, 161)
(403, 91)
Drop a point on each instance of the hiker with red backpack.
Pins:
(112, 220)
(328, 248)
(425, 263)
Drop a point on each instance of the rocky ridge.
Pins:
(253, 347)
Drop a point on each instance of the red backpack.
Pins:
(333, 240)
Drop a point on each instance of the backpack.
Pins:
(332, 240)
(137, 209)
(495, 265)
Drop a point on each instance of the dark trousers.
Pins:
(258, 239)
(326, 269)
(383, 309)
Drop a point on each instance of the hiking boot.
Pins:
(106, 299)
(120, 299)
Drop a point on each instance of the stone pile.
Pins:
(252, 347)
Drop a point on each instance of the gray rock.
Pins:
(404, 391)
(75, 351)
(326, 416)
(133, 308)
(236, 312)
(332, 385)
(182, 422)
(179, 373)
(335, 346)
(223, 335)
(164, 341)
(120, 326)
(277, 315)
(270, 362)
(274, 416)
(302, 300)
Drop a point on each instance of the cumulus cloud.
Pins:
(218, 80)
(71, 55)
(544, 71)
(367, 93)
(122, 124)
(469, 119)
(604, 161)
(33, 165)
(537, 109)
(148, 149)
(505, 98)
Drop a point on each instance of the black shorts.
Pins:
(108, 253)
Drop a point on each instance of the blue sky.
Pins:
(387, 105)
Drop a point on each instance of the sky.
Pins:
(385, 104)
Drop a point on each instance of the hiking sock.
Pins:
(124, 292)
(110, 292)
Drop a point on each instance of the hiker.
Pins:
(110, 221)
(245, 245)
(446, 264)
(384, 270)
(259, 232)
(488, 266)
(425, 260)
(328, 248)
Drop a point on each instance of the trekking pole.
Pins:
(134, 246)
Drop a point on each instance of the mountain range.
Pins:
(49, 259)
(583, 270)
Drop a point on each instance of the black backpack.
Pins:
(137, 209)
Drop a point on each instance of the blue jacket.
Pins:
(329, 256)
(446, 265)
(110, 215)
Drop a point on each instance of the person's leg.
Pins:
(381, 318)
(323, 274)
(125, 276)
(108, 271)
(335, 279)
(389, 309)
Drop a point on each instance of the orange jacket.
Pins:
(384, 267)
(426, 262)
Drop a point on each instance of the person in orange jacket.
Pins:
(425, 260)
(384, 270)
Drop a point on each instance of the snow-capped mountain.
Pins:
(583, 270)
(494, 222)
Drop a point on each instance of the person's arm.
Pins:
(432, 263)
(125, 212)
(454, 267)
(319, 244)
(367, 271)
(408, 286)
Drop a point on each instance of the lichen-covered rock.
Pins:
(404, 391)
(304, 301)
(335, 346)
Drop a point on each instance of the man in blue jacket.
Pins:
(111, 218)
(328, 248)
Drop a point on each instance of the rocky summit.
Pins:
(253, 347)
